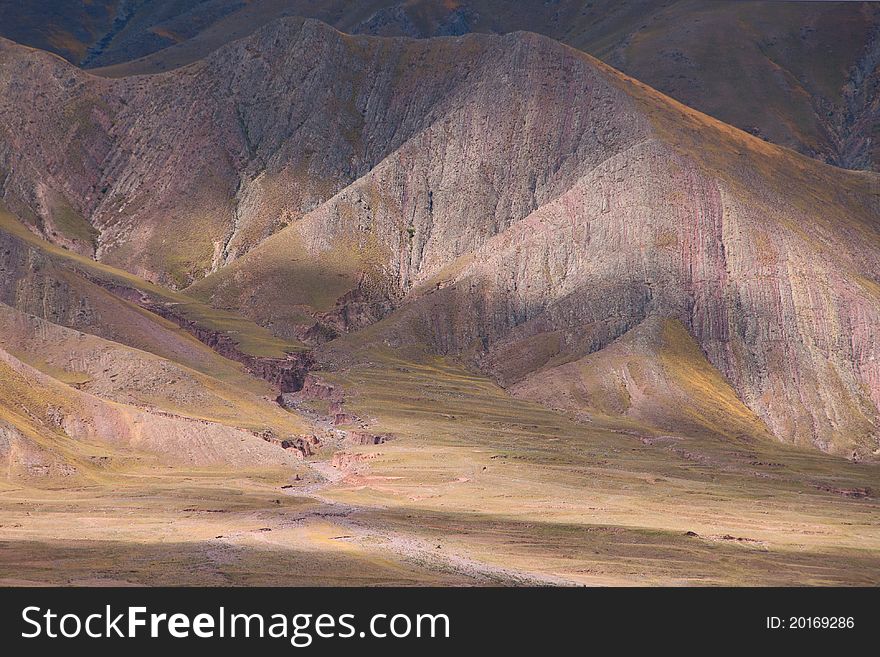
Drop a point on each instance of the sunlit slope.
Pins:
(115, 372)
(653, 377)
(601, 500)
(56, 431)
(489, 149)
(768, 258)
(75, 291)
(783, 305)
(175, 391)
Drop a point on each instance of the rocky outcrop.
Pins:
(349, 461)
(315, 388)
(352, 311)
(367, 438)
(344, 418)
(301, 446)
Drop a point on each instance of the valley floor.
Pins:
(477, 488)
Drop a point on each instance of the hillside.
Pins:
(481, 309)
(655, 210)
(802, 75)
(86, 358)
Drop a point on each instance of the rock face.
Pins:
(367, 438)
(803, 75)
(508, 200)
(784, 306)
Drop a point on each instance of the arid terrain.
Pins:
(800, 74)
(406, 296)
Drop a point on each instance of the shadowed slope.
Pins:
(66, 28)
(654, 374)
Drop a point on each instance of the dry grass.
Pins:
(514, 484)
(185, 528)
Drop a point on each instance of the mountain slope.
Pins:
(191, 169)
(66, 28)
(541, 196)
(769, 259)
(782, 297)
(802, 74)
(144, 386)
(68, 289)
(258, 132)
(115, 372)
(54, 427)
(655, 375)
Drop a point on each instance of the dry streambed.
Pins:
(410, 548)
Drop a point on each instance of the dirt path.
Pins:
(410, 548)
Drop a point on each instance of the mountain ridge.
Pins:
(512, 129)
(805, 68)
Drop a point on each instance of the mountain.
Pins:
(803, 75)
(456, 181)
(481, 205)
(653, 209)
(316, 303)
